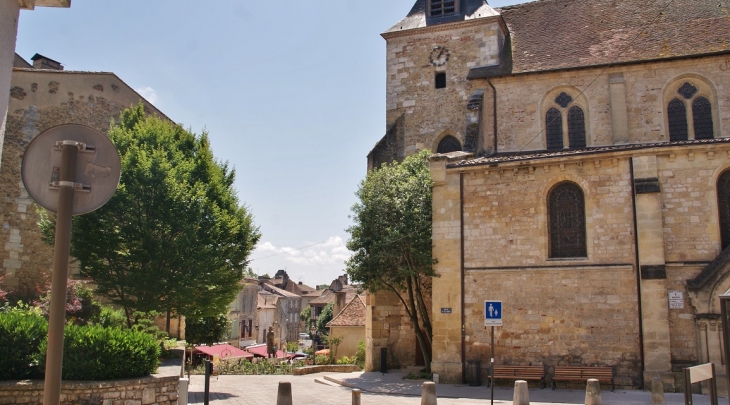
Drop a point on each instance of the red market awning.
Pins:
(260, 351)
(223, 351)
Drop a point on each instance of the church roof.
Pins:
(559, 34)
(416, 18)
(462, 159)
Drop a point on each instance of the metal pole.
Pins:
(59, 278)
(206, 394)
(491, 369)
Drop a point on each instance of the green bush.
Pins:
(97, 353)
(345, 360)
(240, 366)
(21, 335)
(321, 359)
(360, 354)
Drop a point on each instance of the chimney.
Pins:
(340, 302)
(42, 62)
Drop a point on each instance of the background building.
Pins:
(41, 99)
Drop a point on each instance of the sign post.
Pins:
(492, 317)
(69, 170)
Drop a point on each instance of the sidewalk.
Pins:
(391, 389)
(392, 383)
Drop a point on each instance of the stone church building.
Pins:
(581, 177)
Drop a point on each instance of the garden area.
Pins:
(98, 342)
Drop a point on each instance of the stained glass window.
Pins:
(449, 144)
(567, 226)
(723, 206)
(554, 129)
(576, 128)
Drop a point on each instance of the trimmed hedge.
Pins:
(89, 352)
(21, 334)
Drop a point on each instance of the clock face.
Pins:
(439, 56)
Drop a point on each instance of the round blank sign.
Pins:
(97, 168)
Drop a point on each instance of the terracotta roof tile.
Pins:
(533, 155)
(558, 34)
(352, 315)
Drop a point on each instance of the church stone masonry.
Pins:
(581, 176)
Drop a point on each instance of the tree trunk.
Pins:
(425, 348)
(425, 318)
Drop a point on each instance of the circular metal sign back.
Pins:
(98, 168)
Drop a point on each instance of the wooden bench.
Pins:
(568, 373)
(519, 373)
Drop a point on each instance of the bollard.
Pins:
(182, 392)
(521, 396)
(283, 397)
(428, 393)
(657, 391)
(593, 392)
(356, 397)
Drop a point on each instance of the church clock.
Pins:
(439, 56)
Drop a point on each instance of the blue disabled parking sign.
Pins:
(492, 313)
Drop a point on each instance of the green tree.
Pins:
(391, 238)
(206, 330)
(306, 317)
(174, 237)
(324, 317)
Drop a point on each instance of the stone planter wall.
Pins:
(333, 368)
(138, 391)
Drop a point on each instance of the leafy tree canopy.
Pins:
(206, 330)
(324, 317)
(391, 238)
(174, 237)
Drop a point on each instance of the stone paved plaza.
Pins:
(391, 389)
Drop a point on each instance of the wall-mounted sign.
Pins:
(492, 313)
(676, 300)
(445, 310)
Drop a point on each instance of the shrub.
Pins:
(239, 366)
(360, 354)
(21, 335)
(345, 360)
(321, 359)
(97, 353)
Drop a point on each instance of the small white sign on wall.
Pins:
(676, 300)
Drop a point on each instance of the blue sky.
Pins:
(291, 93)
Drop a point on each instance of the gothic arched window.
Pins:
(677, 121)
(554, 129)
(723, 207)
(567, 221)
(556, 123)
(448, 144)
(690, 105)
(576, 128)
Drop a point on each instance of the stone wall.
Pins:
(521, 117)
(41, 100)
(389, 328)
(141, 391)
(430, 113)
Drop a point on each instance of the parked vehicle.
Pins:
(305, 342)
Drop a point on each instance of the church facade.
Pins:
(581, 176)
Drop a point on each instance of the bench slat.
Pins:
(565, 373)
(520, 373)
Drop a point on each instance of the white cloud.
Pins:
(318, 263)
(148, 93)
